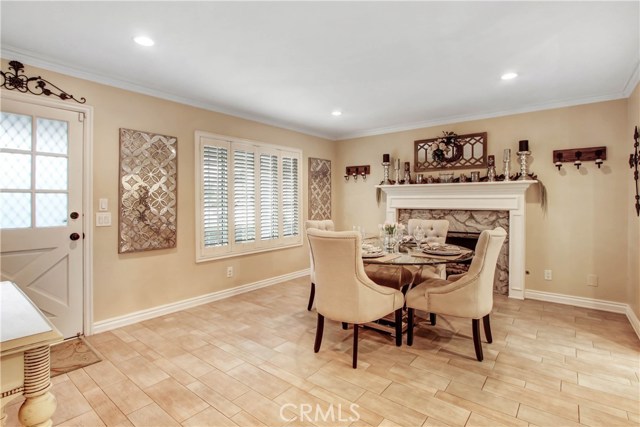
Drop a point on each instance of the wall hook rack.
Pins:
(355, 171)
(580, 155)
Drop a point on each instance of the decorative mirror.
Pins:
(451, 151)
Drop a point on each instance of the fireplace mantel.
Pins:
(498, 196)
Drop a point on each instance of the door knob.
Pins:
(74, 236)
(74, 215)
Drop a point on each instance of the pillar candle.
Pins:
(398, 164)
(385, 158)
(523, 145)
(507, 154)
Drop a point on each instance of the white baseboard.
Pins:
(150, 313)
(635, 323)
(597, 304)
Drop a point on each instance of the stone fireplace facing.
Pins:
(467, 200)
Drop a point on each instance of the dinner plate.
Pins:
(372, 254)
(442, 250)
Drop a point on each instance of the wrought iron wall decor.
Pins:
(633, 163)
(319, 189)
(17, 80)
(148, 191)
(451, 151)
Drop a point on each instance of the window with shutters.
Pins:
(248, 197)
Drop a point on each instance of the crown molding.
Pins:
(634, 78)
(39, 61)
(490, 115)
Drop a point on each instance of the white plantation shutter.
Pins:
(290, 196)
(244, 196)
(248, 197)
(215, 206)
(269, 197)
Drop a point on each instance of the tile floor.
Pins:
(249, 361)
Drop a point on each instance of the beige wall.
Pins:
(127, 283)
(589, 226)
(585, 228)
(633, 108)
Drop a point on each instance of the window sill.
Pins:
(207, 258)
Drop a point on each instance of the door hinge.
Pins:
(81, 116)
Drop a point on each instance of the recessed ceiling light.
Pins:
(336, 113)
(143, 41)
(509, 76)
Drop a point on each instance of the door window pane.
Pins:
(51, 210)
(52, 136)
(15, 131)
(51, 173)
(15, 210)
(16, 171)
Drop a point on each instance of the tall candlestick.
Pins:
(507, 154)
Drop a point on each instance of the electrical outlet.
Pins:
(547, 275)
(592, 280)
(229, 271)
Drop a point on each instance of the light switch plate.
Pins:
(103, 204)
(103, 219)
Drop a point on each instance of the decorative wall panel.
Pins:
(148, 191)
(319, 189)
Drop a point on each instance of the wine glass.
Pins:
(418, 234)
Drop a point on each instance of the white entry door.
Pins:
(41, 218)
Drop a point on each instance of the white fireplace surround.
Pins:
(499, 196)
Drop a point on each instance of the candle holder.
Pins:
(524, 165)
(385, 179)
(491, 169)
(407, 173)
(507, 169)
(397, 169)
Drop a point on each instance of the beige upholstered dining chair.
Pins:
(464, 295)
(435, 231)
(345, 293)
(327, 225)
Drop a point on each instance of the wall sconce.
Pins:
(355, 171)
(580, 155)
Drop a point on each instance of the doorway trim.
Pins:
(87, 193)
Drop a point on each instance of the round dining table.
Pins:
(413, 259)
(413, 256)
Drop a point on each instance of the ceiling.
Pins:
(387, 66)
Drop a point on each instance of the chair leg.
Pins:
(355, 346)
(487, 328)
(311, 295)
(399, 327)
(410, 326)
(477, 342)
(345, 325)
(432, 319)
(319, 330)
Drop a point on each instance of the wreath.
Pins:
(447, 148)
